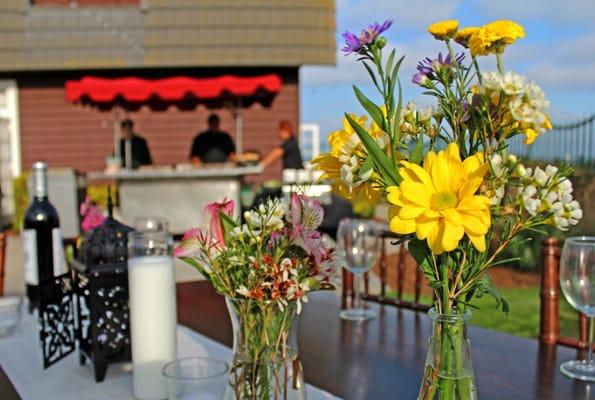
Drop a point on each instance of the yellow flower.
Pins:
(438, 203)
(444, 29)
(462, 37)
(494, 37)
(531, 134)
(342, 164)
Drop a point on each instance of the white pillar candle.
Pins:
(152, 322)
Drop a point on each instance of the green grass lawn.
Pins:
(523, 318)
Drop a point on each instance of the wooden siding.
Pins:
(165, 33)
(71, 135)
(78, 3)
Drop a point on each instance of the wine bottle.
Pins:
(42, 240)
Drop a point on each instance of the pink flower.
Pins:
(306, 217)
(213, 217)
(196, 242)
(92, 215)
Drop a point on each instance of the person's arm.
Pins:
(195, 151)
(231, 148)
(273, 156)
(147, 160)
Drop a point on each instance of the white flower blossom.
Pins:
(512, 84)
(492, 80)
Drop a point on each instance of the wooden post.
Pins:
(401, 270)
(548, 328)
(2, 261)
(383, 268)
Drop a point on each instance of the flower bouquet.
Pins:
(454, 190)
(265, 268)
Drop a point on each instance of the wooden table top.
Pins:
(384, 358)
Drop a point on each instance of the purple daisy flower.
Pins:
(355, 44)
(421, 79)
(428, 66)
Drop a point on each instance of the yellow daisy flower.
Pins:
(494, 37)
(444, 29)
(438, 201)
(462, 37)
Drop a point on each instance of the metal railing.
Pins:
(572, 143)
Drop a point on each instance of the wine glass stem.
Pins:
(357, 280)
(590, 349)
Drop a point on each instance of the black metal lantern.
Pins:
(100, 289)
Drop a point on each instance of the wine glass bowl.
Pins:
(359, 242)
(577, 280)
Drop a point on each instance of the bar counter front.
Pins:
(178, 196)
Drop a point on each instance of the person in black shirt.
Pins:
(212, 145)
(138, 146)
(288, 151)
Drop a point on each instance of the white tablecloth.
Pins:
(20, 357)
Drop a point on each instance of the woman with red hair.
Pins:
(289, 149)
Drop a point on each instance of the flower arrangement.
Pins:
(265, 267)
(454, 190)
(91, 213)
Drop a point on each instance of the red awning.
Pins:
(131, 89)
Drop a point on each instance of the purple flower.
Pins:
(421, 79)
(428, 66)
(428, 69)
(355, 44)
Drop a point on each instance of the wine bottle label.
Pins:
(58, 251)
(29, 238)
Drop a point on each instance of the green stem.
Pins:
(500, 63)
(476, 66)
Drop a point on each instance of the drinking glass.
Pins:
(359, 244)
(577, 279)
(196, 378)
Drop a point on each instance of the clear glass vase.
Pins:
(448, 373)
(265, 363)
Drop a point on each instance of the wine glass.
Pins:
(577, 279)
(359, 244)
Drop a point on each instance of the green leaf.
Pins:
(227, 225)
(372, 109)
(421, 253)
(391, 59)
(366, 166)
(395, 70)
(384, 166)
(372, 75)
(417, 153)
(487, 286)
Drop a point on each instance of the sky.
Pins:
(558, 52)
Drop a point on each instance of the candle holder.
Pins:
(152, 306)
(101, 289)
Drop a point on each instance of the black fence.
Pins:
(571, 143)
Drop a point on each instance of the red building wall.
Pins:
(72, 135)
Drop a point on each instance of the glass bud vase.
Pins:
(265, 363)
(448, 373)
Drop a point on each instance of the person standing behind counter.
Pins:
(139, 150)
(289, 150)
(212, 145)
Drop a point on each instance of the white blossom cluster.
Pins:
(269, 217)
(526, 100)
(500, 169)
(414, 119)
(351, 158)
(544, 191)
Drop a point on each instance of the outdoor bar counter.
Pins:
(179, 196)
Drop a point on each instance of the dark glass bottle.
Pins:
(42, 240)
